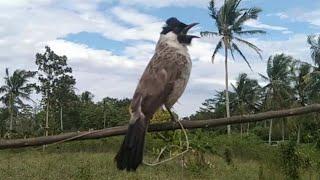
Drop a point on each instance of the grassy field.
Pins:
(94, 160)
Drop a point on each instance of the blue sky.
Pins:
(109, 42)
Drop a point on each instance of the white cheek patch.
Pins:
(172, 40)
(171, 36)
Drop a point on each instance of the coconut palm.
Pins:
(278, 92)
(16, 89)
(230, 19)
(248, 96)
(314, 42)
(302, 88)
(313, 78)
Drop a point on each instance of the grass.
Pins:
(94, 160)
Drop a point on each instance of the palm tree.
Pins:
(302, 88)
(314, 43)
(230, 19)
(313, 78)
(15, 90)
(278, 92)
(248, 95)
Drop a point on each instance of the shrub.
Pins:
(290, 161)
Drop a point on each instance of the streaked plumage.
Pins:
(162, 83)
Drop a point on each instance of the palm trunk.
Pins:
(241, 130)
(61, 119)
(270, 131)
(47, 116)
(282, 129)
(248, 128)
(11, 112)
(299, 133)
(227, 87)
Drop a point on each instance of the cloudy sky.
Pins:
(109, 42)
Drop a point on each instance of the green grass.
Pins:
(93, 159)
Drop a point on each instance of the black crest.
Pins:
(179, 28)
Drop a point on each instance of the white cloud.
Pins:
(301, 15)
(281, 15)
(166, 3)
(79, 53)
(258, 24)
(312, 17)
(132, 16)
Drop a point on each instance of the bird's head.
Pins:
(180, 29)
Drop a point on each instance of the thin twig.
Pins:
(173, 157)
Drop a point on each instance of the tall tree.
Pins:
(16, 89)
(302, 90)
(278, 90)
(52, 70)
(248, 96)
(230, 19)
(64, 94)
(313, 78)
(314, 42)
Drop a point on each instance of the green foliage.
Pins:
(4, 115)
(230, 20)
(56, 84)
(228, 156)
(290, 160)
(16, 89)
(247, 95)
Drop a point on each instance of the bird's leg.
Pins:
(173, 118)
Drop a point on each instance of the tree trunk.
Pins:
(282, 130)
(47, 116)
(61, 119)
(104, 119)
(121, 130)
(299, 133)
(227, 86)
(248, 128)
(11, 112)
(270, 131)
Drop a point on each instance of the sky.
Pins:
(109, 42)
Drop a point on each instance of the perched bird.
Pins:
(162, 83)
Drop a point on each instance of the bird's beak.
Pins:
(193, 36)
(186, 29)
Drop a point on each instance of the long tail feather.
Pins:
(130, 154)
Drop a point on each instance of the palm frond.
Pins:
(212, 9)
(232, 53)
(218, 47)
(252, 46)
(209, 34)
(250, 13)
(242, 55)
(250, 32)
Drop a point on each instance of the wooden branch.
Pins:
(121, 130)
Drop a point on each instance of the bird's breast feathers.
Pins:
(174, 57)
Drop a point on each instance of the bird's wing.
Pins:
(155, 85)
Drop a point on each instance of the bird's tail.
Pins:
(130, 154)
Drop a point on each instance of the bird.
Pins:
(161, 84)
